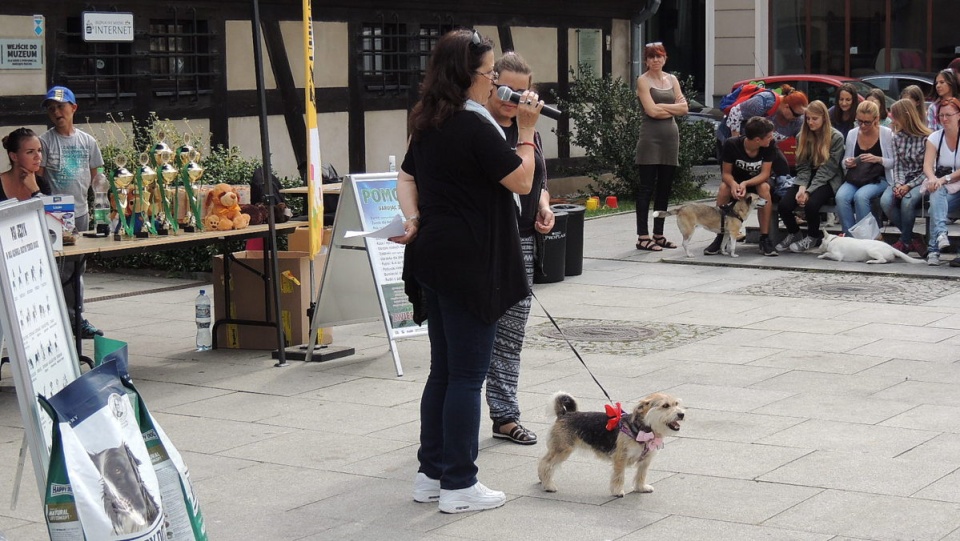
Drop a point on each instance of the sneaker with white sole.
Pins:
(475, 498)
(805, 244)
(933, 259)
(788, 240)
(943, 241)
(426, 490)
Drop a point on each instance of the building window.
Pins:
(180, 58)
(383, 57)
(98, 70)
(179, 61)
(394, 56)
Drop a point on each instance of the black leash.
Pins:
(575, 352)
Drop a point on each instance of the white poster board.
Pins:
(34, 322)
(355, 288)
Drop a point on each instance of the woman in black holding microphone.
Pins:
(462, 264)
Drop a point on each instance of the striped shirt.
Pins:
(908, 159)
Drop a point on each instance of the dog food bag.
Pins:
(100, 483)
(184, 521)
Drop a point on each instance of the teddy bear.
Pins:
(258, 213)
(224, 203)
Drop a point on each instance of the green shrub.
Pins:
(606, 115)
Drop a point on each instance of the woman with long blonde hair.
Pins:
(900, 201)
(867, 164)
(819, 151)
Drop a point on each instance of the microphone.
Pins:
(505, 94)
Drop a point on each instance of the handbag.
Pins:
(864, 173)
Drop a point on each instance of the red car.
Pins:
(816, 87)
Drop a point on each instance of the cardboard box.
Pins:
(299, 240)
(248, 301)
(61, 220)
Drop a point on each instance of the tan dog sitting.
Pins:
(713, 219)
(223, 202)
(622, 438)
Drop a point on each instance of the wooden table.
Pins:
(329, 188)
(107, 247)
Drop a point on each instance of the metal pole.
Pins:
(270, 197)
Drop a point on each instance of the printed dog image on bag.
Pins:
(126, 500)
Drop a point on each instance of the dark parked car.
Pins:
(893, 84)
(816, 87)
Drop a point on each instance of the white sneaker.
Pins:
(475, 498)
(942, 241)
(426, 490)
(933, 259)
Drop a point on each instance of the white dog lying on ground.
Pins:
(853, 249)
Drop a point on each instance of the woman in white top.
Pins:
(867, 165)
(940, 163)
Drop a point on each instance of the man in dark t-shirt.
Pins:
(746, 162)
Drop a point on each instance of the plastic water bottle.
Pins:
(101, 202)
(204, 336)
(392, 163)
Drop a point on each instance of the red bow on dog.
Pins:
(613, 416)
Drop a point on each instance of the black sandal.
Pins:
(519, 434)
(664, 243)
(649, 245)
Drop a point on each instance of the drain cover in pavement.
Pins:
(616, 337)
(855, 287)
(601, 333)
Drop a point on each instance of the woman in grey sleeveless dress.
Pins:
(658, 146)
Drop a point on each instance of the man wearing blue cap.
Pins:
(70, 161)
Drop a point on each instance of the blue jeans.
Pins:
(902, 212)
(460, 349)
(941, 204)
(853, 204)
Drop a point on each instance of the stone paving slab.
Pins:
(812, 413)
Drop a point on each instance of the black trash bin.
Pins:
(573, 265)
(550, 258)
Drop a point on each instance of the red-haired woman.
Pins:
(658, 146)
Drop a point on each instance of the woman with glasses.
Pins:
(658, 145)
(945, 86)
(867, 164)
(534, 216)
(843, 113)
(463, 266)
(940, 166)
(901, 200)
(819, 151)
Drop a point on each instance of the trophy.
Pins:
(169, 175)
(190, 173)
(120, 180)
(146, 178)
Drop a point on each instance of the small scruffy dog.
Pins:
(621, 438)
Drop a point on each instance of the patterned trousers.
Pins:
(504, 369)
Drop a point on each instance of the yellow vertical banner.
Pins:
(314, 174)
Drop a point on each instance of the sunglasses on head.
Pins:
(476, 40)
(654, 44)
